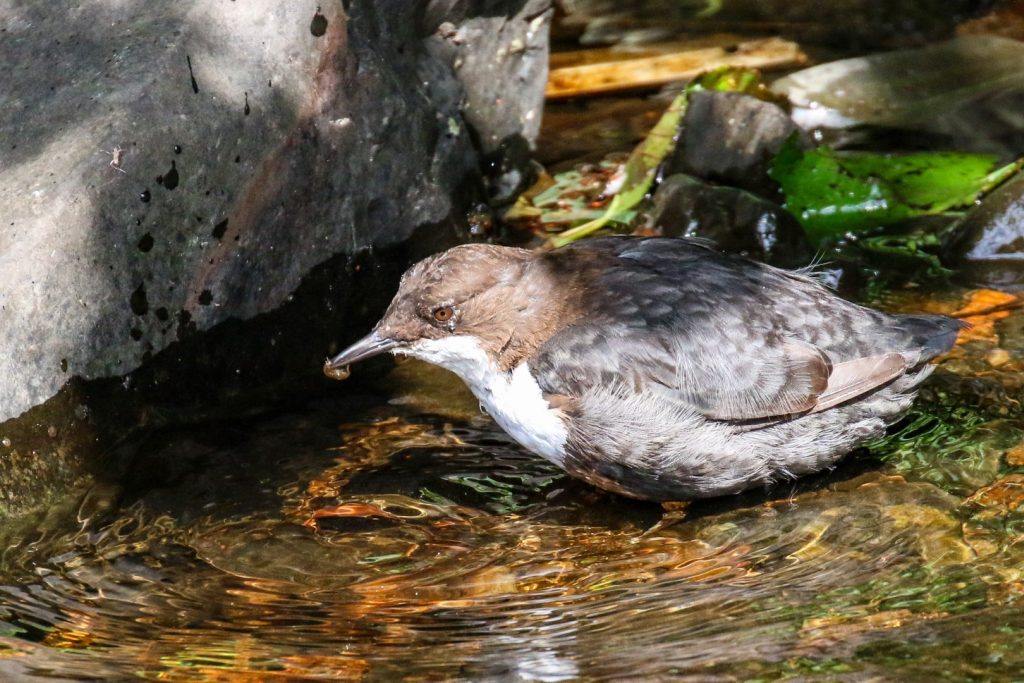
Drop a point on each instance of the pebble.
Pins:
(997, 357)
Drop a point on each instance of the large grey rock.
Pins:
(176, 164)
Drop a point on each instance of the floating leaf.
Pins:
(835, 192)
(643, 163)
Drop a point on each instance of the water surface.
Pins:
(397, 534)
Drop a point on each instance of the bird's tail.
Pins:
(932, 334)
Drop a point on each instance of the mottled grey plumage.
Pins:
(661, 368)
(694, 373)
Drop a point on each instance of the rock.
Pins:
(967, 90)
(988, 243)
(213, 185)
(500, 61)
(500, 57)
(508, 171)
(737, 221)
(731, 138)
(196, 162)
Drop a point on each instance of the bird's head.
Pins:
(471, 304)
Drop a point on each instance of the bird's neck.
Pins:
(540, 305)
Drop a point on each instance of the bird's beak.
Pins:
(369, 346)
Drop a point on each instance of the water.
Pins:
(361, 539)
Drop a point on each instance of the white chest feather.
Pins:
(513, 399)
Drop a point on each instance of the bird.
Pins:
(660, 368)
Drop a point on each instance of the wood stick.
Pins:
(657, 70)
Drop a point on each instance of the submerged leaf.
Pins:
(643, 163)
(984, 308)
(835, 192)
(908, 253)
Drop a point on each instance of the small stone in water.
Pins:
(6, 442)
(1014, 456)
(997, 357)
(337, 373)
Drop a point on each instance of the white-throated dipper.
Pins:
(660, 368)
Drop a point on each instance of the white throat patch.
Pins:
(513, 399)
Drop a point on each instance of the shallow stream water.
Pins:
(395, 533)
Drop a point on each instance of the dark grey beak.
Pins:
(369, 346)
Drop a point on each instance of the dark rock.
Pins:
(988, 243)
(737, 221)
(500, 59)
(731, 138)
(508, 171)
(356, 145)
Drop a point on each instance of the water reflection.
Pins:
(415, 541)
(407, 546)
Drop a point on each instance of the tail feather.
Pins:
(933, 335)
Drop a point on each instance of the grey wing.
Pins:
(728, 353)
(723, 378)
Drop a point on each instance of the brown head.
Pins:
(500, 298)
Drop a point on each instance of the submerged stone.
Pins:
(736, 220)
(988, 243)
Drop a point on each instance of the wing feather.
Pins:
(735, 340)
(853, 378)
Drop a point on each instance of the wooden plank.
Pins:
(657, 70)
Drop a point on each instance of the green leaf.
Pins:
(836, 192)
(931, 182)
(643, 162)
(826, 198)
(914, 252)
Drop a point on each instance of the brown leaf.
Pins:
(1015, 456)
(983, 309)
(1001, 497)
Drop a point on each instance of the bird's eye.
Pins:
(443, 314)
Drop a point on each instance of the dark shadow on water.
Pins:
(856, 464)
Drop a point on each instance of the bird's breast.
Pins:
(513, 399)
